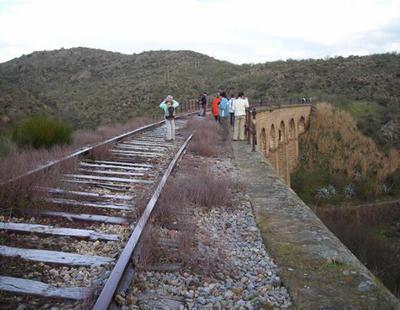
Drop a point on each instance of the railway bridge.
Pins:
(275, 131)
(98, 199)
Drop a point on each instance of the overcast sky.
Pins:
(239, 31)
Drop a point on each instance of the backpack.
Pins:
(171, 113)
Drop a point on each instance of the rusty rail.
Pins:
(108, 291)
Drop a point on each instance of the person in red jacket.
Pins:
(214, 106)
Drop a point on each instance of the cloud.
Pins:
(233, 30)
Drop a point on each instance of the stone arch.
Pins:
(292, 130)
(281, 133)
(302, 125)
(272, 138)
(263, 141)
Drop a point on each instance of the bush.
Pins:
(307, 182)
(394, 183)
(207, 139)
(42, 131)
(366, 188)
(204, 189)
(5, 145)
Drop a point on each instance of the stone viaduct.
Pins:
(318, 270)
(277, 132)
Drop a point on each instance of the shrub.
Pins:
(5, 145)
(307, 182)
(208, 138)
(42, 131)
(203, 189)
(394, 183)
(366, 188)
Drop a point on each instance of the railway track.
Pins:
(82, 238)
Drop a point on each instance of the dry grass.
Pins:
(147, 252)
(334, 142)
(21, 160)
(195, 185)
(355, 153)
(102, 152)
(23, 193)
(170, 221)
(171, 206)
(203, 189)
(208, 139)
(173, 220)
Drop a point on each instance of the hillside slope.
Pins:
(88, 86)
(338, 163)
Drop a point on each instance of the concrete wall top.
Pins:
(318, 270)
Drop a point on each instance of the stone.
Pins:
(201, 300)
(237, 290)
(365, 286)
(228, 294)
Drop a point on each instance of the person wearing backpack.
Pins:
(223, 113)
(169, 106)
(203, 104)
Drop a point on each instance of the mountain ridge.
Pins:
(88, 87)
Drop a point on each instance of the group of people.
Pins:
(225, 110)
(230, 110)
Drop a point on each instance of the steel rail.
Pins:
(111, 285)
(86, 149)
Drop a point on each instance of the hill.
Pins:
(368, 87)
(88, 87)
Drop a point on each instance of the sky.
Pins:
(239, 31)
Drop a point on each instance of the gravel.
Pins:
(236, 272)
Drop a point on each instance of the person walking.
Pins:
(239, 110)
(203, 104)
(223, 113)
(214, 106)
(231, 112)
(169, 106)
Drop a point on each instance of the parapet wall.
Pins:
(318, 270)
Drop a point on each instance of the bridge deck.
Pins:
(319, 271)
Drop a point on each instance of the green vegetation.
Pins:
(338, 163)
(88, 87)
(42, 131)
(371, 120)
(372, 234)
(5, 144)
(393, 182)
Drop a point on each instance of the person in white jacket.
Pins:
(239, 109)
(231, 112)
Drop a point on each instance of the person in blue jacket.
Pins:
(169, 106)
(223, 113)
